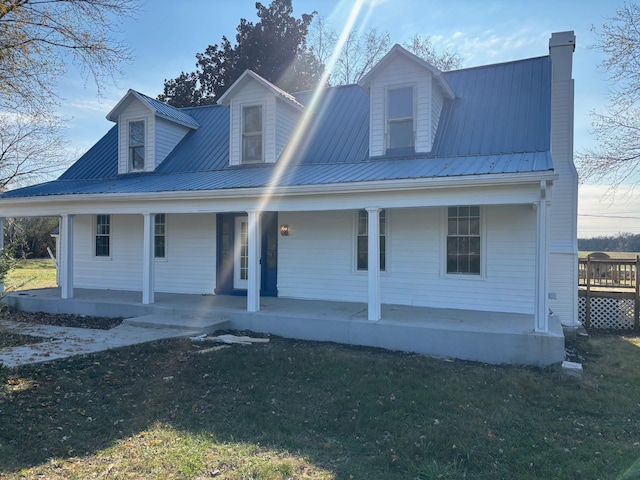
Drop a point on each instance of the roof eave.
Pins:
(192, 126)
(113, 115)
(466, 181)
(226, 97)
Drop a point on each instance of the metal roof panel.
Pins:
(313, 174)
(499, 122)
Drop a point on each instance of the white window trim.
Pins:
(354, 244)
(166, 249)
(94, 233)
(444, 217)
(130, 168)
(263, 106)
(397, 86)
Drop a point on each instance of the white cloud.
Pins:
(490, 46)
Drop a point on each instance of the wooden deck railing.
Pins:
(617, 279)
(608, 272)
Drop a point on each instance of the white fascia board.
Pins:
(244, 198)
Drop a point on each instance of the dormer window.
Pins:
(400, 115)
(252, 134)
(136, 146)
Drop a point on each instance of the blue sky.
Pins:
(167, 34)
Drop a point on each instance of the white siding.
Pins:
(189, 266)
(401, 72)
(317, 260)
(286, 121)
(123, 269)
(437, 101)
(563, 247)
(168, 134)
(136, 111)
(253, 94)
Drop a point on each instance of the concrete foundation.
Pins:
(490, 337)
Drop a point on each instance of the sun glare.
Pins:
(298, 143)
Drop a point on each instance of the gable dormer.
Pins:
(406, 95)
(262, 119)
(147, 131)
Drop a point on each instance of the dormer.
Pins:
(406, 95)
(147, 131)
(262, 119)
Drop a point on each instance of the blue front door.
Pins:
(231, 255)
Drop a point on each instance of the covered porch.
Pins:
(491, 337)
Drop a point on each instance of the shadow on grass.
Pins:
(348, 411)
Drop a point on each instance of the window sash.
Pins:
(362, 240)
(103, 236)
(160, 236)
(136, 145)
(400, 118)
(252, 136)
(464, 240)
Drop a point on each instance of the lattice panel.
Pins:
(608, 313)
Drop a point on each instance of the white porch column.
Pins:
(373, 263)
(66, 256)
(148, 259)
(253, 287)
(542, 262)
(1, 246)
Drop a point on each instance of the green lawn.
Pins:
(290, 409)
(30, 274)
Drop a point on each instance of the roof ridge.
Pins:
(490, 65)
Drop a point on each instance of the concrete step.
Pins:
(182, 321)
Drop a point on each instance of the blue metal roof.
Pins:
(499, 122)
(168, 111)
(502, 108)
(296, 175)
(100, 161)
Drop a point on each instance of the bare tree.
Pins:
(40, 38)
(39, 41)
(361, 51)
(32, 147)
(422, 46)
(616, 158)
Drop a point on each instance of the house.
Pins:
(452, 195)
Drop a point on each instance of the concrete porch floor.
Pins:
(491, 337)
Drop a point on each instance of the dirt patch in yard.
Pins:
(64, 320)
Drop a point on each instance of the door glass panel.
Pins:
(244, 251)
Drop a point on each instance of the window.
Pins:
(463, 240)
(400, 118)
(362, 240)
(103, 235)
(160, 235)
(252, 134)
(136, 146)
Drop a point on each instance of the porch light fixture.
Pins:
(284, 230)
